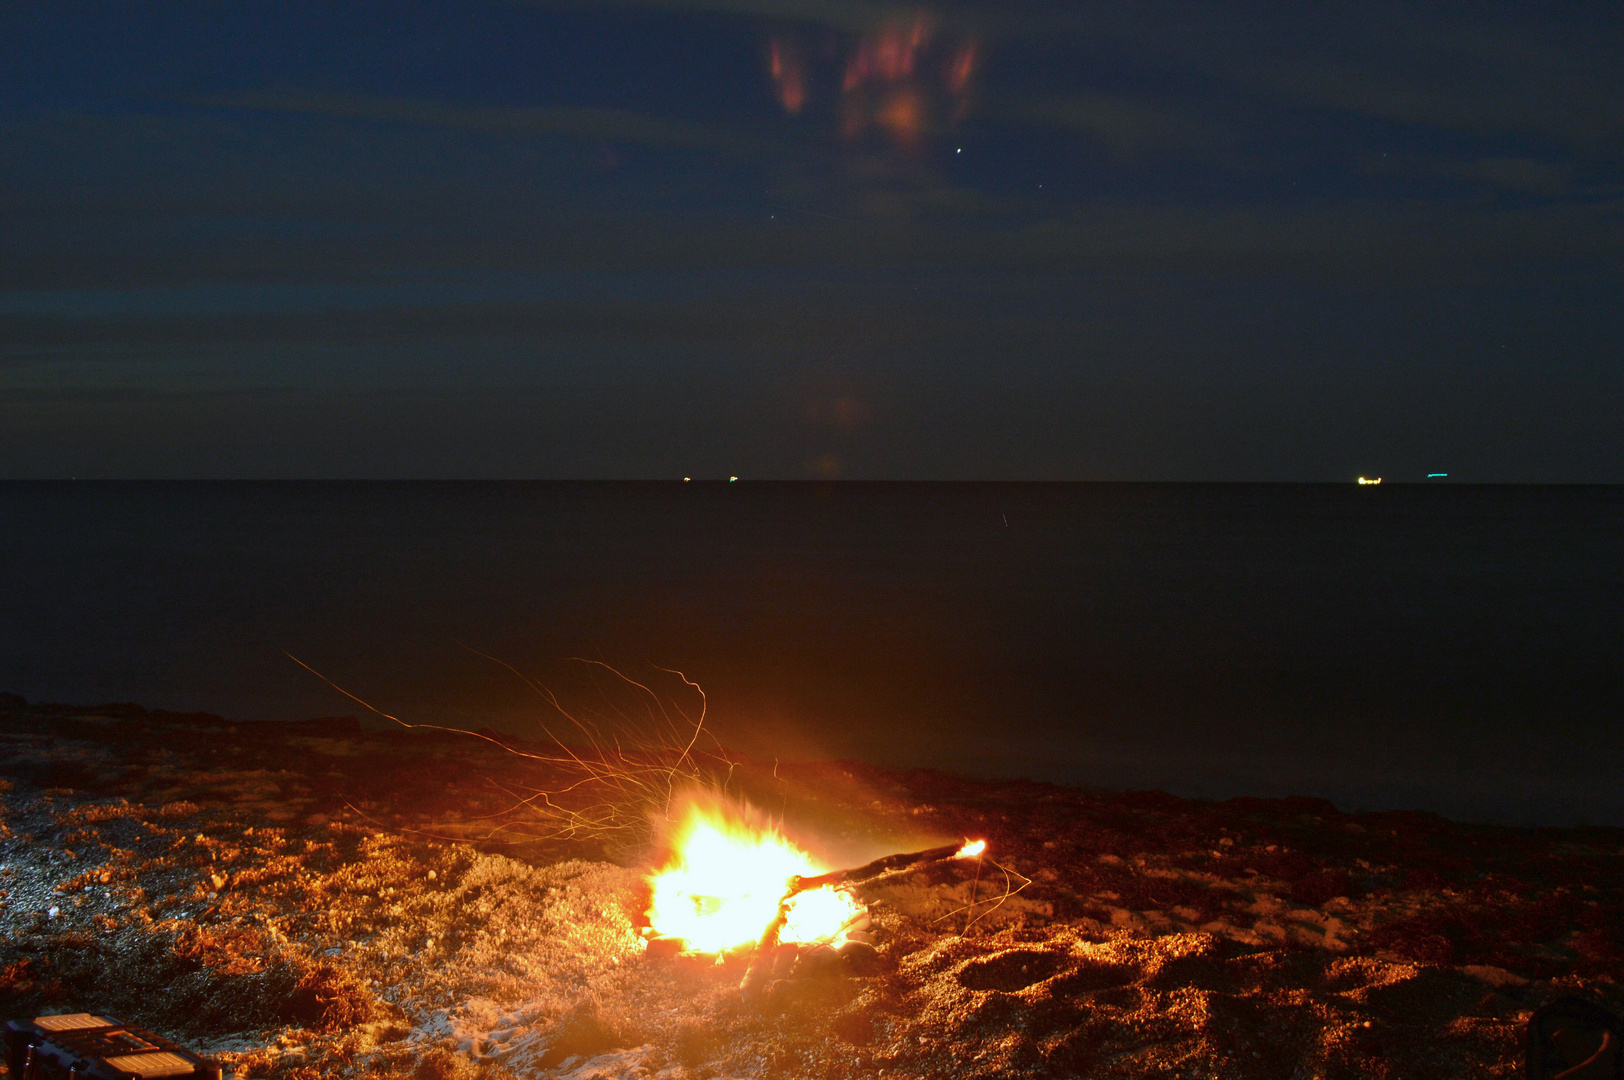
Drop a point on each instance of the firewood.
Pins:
(758, 978)
(886, 864)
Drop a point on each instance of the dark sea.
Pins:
(1449, 648)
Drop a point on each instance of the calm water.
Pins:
(1451, 648)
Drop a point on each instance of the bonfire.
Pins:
(730, 885)
(731, 882)
(727, 882)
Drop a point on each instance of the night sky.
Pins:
(812, 238)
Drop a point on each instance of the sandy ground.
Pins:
(317, 899)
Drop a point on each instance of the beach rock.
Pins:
(860, 958)
(663, 948)
(816, 961)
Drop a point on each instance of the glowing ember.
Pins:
(971, 850)
(725, 881)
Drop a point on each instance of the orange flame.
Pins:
(725, 881)
(889, 55)
(789, 75)
(961, 67)
(896, 79)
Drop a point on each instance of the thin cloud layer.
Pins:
(609, 125)
(786, 207)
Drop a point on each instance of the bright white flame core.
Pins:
(724, 884)
(971, 850)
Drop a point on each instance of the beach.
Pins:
(327, 898)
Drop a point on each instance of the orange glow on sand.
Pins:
(724, 882)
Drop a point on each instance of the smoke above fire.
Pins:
(901, 81)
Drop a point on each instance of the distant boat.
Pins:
(1364, 480)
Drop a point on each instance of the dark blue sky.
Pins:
(785, 238)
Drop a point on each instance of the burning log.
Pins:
(759, 977)
(889, 864)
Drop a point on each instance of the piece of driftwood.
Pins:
(911, 860)
(758, 977)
